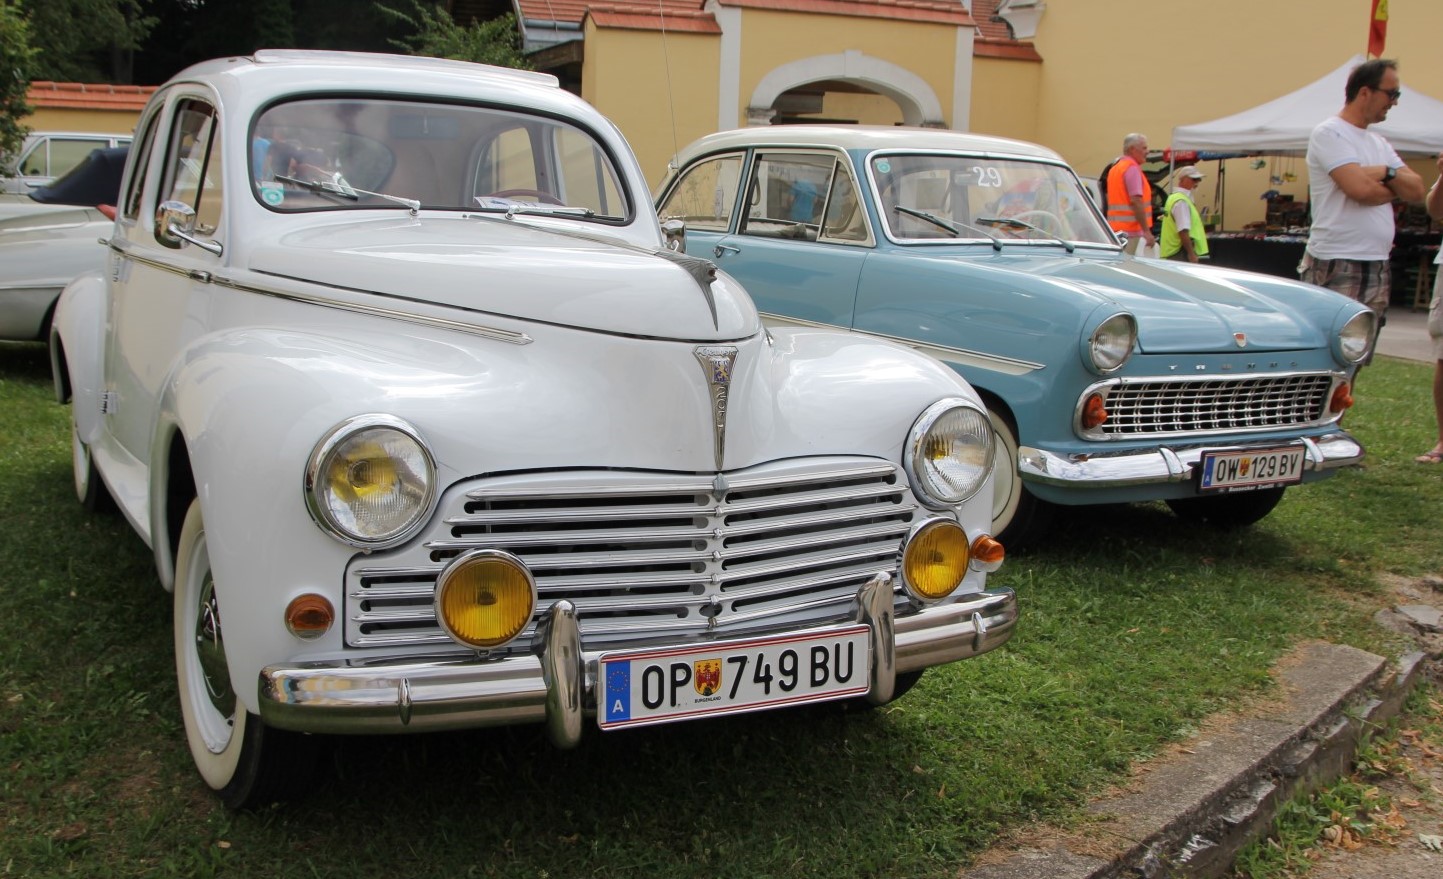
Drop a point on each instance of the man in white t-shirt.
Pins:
(1353, 177)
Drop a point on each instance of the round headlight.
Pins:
(949, 452)
(1355, 340)
(371, 481)
(935, 559)
(485, 598)
(1111, 343)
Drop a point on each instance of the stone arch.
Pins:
(912, 94)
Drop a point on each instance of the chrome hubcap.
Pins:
(210, 651)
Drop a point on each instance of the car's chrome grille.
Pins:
(646, 555)
(1182, 406)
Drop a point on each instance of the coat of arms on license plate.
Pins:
(707, 676)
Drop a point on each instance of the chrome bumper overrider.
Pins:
(556, 687)
(1169, 464)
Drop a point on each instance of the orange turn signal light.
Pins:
(1093, 412)
(1342, 399)
(987, 553)
(309, 616)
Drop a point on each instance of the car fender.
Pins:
(77, 350)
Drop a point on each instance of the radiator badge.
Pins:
(1241, 339)
(716, 362)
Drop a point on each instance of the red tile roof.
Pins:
(680, 11)
(646, 18)
(89, 96)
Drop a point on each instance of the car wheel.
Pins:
(89, 487)
(1017, 516)
(243, 761)
(1228, 510)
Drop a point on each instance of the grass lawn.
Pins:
(1133, 629)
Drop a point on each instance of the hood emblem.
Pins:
(716, 363)
(702, 271)
(1241, 339)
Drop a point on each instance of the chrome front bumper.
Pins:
(556, 687)
(1169, 464)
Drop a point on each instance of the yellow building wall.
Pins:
(99, 121)
(1176, 63)
(861, 109)
(1004, 97)
(661, 92)
(771, 39)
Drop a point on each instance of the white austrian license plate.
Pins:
(1251, 469)
(659, 686)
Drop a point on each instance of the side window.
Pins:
(66, 153)
(507, 164)
(845, 219)
(706, 194)
(142, 163)
(587, 179)
(35, 162)
(786, 195)
(193, 164)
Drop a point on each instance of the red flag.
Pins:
(1377, 28)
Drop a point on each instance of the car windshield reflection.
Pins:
(927, 197)
(347, 154)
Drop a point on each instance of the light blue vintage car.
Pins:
(1109, 378)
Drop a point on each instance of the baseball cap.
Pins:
(1189, 171)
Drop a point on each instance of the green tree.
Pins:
(87, 40)
(17, 60)
(438, 35)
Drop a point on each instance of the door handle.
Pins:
(722, 249)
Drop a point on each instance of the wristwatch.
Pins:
(1390, 174)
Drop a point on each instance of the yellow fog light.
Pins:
(309, 616)
(935, 559)
(485, 598)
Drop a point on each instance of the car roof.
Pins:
(866, 137)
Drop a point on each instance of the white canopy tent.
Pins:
(1281, 127)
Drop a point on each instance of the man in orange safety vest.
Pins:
(1129, 195)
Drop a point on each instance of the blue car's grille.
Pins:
(1206, 405)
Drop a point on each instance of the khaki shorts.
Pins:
(1435, 315)
(1367, 281)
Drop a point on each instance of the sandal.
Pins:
(1433, 456)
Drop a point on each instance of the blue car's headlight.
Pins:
(1355, 339)
(949, 452)
(1111, 344)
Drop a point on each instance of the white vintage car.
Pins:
(427, 428)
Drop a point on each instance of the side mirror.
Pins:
(674, 230)
(175, 227)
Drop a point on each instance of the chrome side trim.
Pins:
(499, 335)
(1170, 464)
(959, 356)
(458, 691)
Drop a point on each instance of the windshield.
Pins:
(359, 153)
(926, 197)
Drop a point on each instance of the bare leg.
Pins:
(1438, 402)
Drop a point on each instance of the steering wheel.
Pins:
(1051, 220)
(543, 197)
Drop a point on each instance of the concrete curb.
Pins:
(1191, 815)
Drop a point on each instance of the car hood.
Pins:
(1183, 308)
(518, 269)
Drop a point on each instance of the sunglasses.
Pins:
(1393, 94)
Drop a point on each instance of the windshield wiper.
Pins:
(943, 224)
(340, 189)
(1013, 223)
(512, 208)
